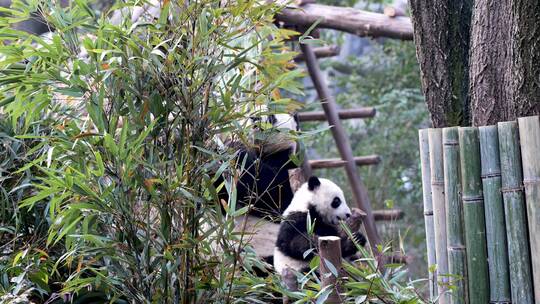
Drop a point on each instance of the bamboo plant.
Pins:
(473, 211)
(454, 216)
(515, 213)
(529, 134)
(494, 214)
(439, 211)
(428, 211)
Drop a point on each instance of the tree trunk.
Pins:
(441, 34)
(490, 62)
(526, 57)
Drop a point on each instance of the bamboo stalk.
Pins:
(521, 286)
(439, 211)
(330, 253)
(428, 211)
(494, 213)
(473, 216)
(529, 134)
(457, 259)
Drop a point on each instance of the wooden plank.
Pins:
(439, 211)
(330, 266)
(388, 215)
(343, 145)
(428, 211)
(521, 285)
(321, 52)
(367, 112)
(349, 20)
(499, 282)
(529, 135)
(336, 162)
(473, 216)
(457, 259)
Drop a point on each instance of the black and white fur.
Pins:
(323, 201)
(264, 181)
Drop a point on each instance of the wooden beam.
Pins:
(337, 162)
(342, 141)
(388, 215)
(348, 20)
(394, 11)
(367, 112)
(321, 52)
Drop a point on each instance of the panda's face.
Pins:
(328, 200)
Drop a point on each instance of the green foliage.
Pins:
(111, 137)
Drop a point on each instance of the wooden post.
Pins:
(457, 259)
(499, 284)
(473, 214)
(343, 145)
(330, 253)
(529, 134)
(428, 210)
(439, 211)
(289, 279)
(521, 286)
(296, 178)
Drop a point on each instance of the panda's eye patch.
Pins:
(336, 202)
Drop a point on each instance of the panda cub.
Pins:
(323, 201)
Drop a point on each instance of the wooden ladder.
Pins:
(333, 116)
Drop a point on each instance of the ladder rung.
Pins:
(321, 52)
(388, 215)
(337, 162)
(397, 258)
(343, 114)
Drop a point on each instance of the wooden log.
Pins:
(529, 134)
(439, 211)
(428, 211)
(343, 114)
(521, 286)
(289, 280)
(473, 216)
(349, 20)
(343, 145)
(330, 254)
(499, 283)
(321, 52)
(457, 259)
(336, 162)
(393, 11)
(388, 215)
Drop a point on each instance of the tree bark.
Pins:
(490, 66)
(526, 57)
(441, 34)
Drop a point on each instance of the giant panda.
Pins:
(323, 201)
(263, 182)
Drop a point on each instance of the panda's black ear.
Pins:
(313, 183)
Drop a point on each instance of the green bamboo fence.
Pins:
(515, 214)
(494, 212)
(457, 261)
(439, 212)
(529, 134)
(428, 210)
(473, 211)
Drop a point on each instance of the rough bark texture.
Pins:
(526, 57)
(441, 34)
(490, 62)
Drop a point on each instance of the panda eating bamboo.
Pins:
(324, 203)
